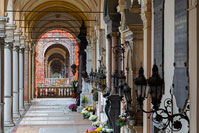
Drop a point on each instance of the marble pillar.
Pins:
(21, 73)
(114, 36)
(30, 71)
(33, 72)
(109, 64)
(16, 73)
(3, 20)
(26, 73)
(147, 55)
(194, 64)
(8, 99)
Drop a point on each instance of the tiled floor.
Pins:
(52, 116)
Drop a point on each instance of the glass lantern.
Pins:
(156, 87)
(127, 93)
(141, 86)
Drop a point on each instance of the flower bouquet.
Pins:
(73, 107)
(96, 124)
(91, 110)
(85, 114)
(93, 118)
(122, 120)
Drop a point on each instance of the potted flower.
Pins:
(73, 107)
(84, 100)
(93, 118)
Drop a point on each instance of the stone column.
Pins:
(194, 64)
(147, 55)
(16, 73)
(3, 20)
(33, 72)
(137, 45)
(114, 36)
(113, 108)
(8, 116)
(46, 68)
(30, 71)
(21, 74)
(109, 64)
(26, 73)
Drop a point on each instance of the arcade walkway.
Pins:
(52, 116)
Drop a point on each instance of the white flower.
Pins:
(109, 130)
(93, 117)
(104, 129)
(96, 124)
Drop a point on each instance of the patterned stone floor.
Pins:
(52, 116)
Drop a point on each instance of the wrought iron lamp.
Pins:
(127, 93)
(163, 117)
(99, 78)
(91, 76)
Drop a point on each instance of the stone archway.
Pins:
(52, 46)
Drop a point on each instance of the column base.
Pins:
(26, 103)
(21, 112)
(9, 124)
(16, 115)
(22, 109)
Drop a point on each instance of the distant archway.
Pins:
(52, 45)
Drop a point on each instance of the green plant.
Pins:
(122, 120)
(84, 99)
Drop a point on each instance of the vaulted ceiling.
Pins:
(36, 17)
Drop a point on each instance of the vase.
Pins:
(132, 122)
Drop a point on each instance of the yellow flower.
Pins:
(98, 129)
(89, 108)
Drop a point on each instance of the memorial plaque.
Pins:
(180, 79)
(158, 35)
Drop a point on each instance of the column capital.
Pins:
(17, 34)
(22, 41)
(3, 21)
(15, 48)
(10, 33)
(21, 50)
(8, 45)
(114, 34)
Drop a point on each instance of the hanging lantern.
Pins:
(141, 86)
(156, 87)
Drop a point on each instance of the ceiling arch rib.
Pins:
(53, 15)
